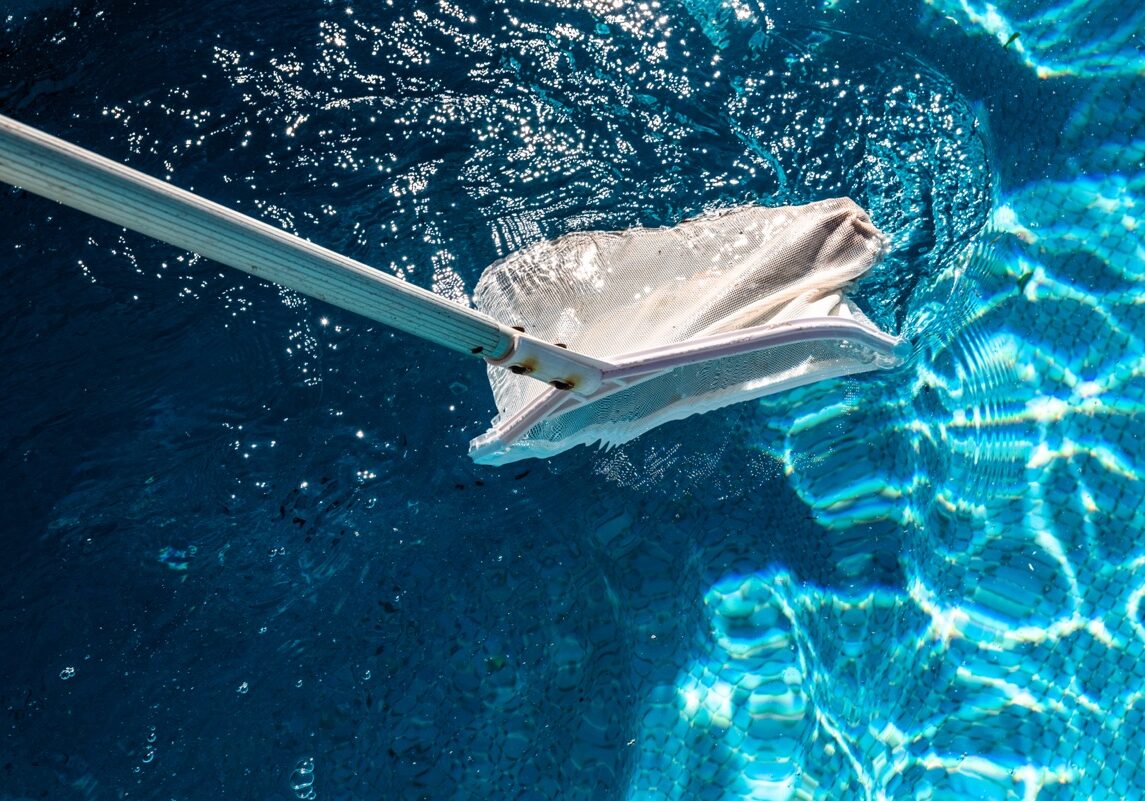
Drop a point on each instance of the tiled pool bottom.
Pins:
(246, 556)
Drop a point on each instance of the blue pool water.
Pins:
(246, 555)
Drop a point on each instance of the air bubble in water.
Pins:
(302, 779)
(67, 673)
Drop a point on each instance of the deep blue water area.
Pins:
(246, 555)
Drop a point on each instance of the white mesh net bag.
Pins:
(724, 308)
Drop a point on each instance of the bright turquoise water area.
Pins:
(247, 557)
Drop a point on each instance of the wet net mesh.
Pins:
(613, 294)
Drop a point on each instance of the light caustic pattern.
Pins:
(805, 694)
(1078, 38)
(1005, 467)
(1010, 475)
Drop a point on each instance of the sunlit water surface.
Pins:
(246, 555)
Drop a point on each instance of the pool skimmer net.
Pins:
(589, 338)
